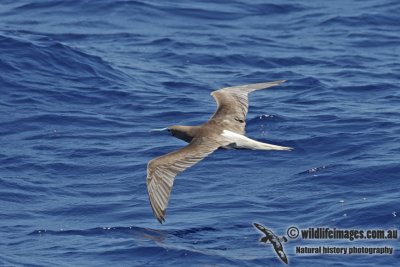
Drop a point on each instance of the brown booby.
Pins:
(225, 129)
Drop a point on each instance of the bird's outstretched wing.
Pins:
(233, 103)
(161, 171)
(262, 228)
(279, 251)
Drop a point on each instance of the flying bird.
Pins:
(275, 241)
(225, 129)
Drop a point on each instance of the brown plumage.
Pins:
(225, 129)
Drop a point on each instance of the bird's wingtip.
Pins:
(161, 220)
(258, 226)
(161, 217)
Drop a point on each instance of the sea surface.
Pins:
(82, 83)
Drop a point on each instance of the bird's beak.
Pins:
(159, 130)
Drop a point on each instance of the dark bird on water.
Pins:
(225, 129)
(275, 241)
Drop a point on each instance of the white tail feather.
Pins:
(240, 141)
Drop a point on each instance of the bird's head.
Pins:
(185, 133)
(176, 130)
(180, 132)
(170, 129)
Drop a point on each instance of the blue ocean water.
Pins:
(83, 82)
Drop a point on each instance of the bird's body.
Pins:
(269, 236)
(226, 129)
